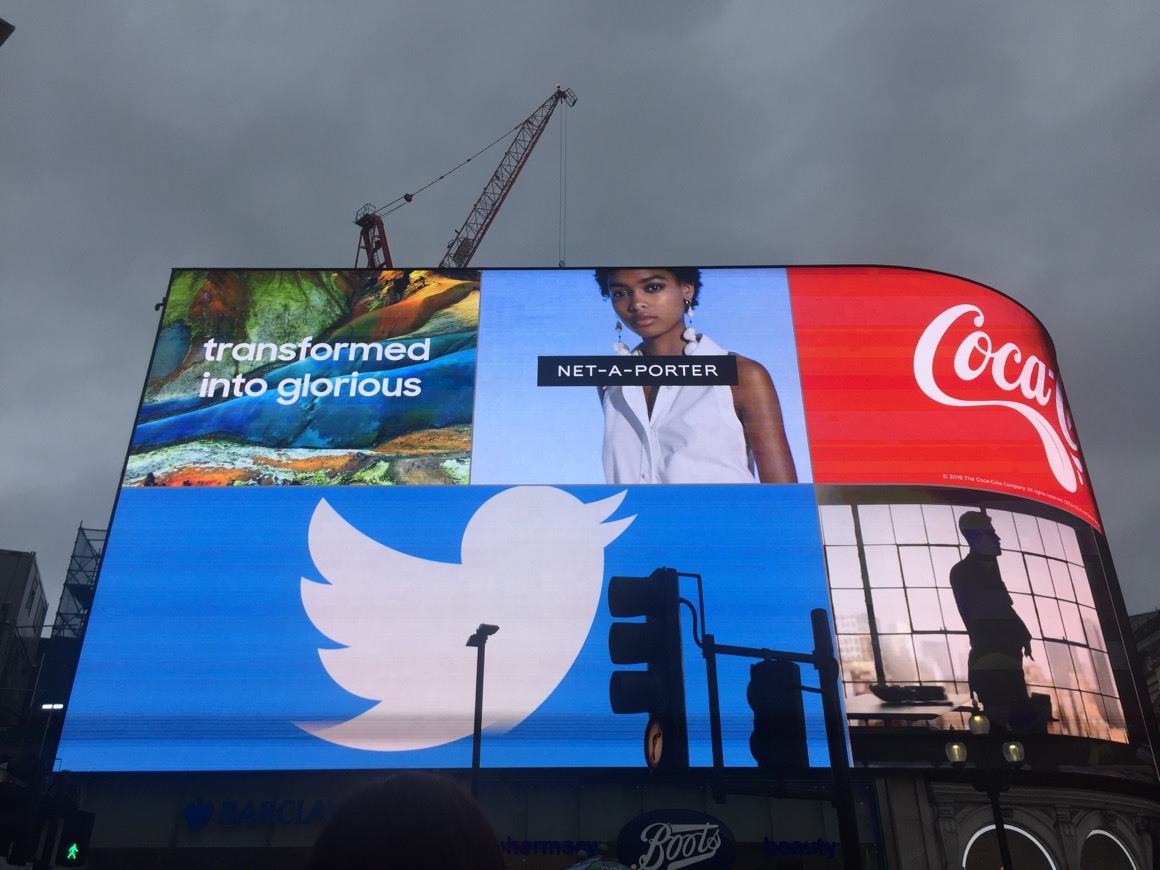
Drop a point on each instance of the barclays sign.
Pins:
(253, 814)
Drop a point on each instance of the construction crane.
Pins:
(462, 247)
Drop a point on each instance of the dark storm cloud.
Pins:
(1011, 143)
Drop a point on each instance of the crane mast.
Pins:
(372, 239)
(461, 248)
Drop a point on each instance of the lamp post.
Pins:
(991, 778)
(48, 710)
(479, 641)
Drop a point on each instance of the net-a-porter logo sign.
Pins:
(1030, 386)
(621, 371)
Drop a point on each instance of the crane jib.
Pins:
(462, 247)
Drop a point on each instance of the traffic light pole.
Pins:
(660, 691)
(823, 660)
(828, 681)
(709, 648)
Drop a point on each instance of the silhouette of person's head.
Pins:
(411, 821)
(980, 533)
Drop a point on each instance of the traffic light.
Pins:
(778, 741)
(660, 689)
(75, 833)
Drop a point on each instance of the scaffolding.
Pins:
(72, 615)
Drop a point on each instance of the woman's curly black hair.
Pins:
(683, 276)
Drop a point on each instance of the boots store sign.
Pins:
(674, 839)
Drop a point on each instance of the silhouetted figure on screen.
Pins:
(999, 638)
(410, 821)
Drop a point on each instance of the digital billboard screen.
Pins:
(336, 476)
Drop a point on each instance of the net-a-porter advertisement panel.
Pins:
(337, 476)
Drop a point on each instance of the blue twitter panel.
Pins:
(326, 627)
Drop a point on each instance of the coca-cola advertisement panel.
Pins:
(921, 378)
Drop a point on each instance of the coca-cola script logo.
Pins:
(672, 839)
(1034, 391)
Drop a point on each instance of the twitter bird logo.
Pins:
(532, 562)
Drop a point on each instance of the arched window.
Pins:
(1027, 853)
(1104, 851)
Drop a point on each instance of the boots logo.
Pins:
(674, 839)
(1036, 395)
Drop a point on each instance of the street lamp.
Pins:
(479, 641)
(48, 709)
(990, 777)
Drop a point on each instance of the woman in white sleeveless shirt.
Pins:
(685, 434)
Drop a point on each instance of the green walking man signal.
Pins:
(76, 831)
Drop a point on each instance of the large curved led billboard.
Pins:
(336, 476)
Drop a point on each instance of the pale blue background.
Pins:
(199, 655)
(529, 434)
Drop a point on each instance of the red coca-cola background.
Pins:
(912, 377)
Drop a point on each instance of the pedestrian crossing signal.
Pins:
(75, 833)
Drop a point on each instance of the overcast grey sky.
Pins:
(1011, 143)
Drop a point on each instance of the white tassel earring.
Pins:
(620, 347)
(690, 334)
